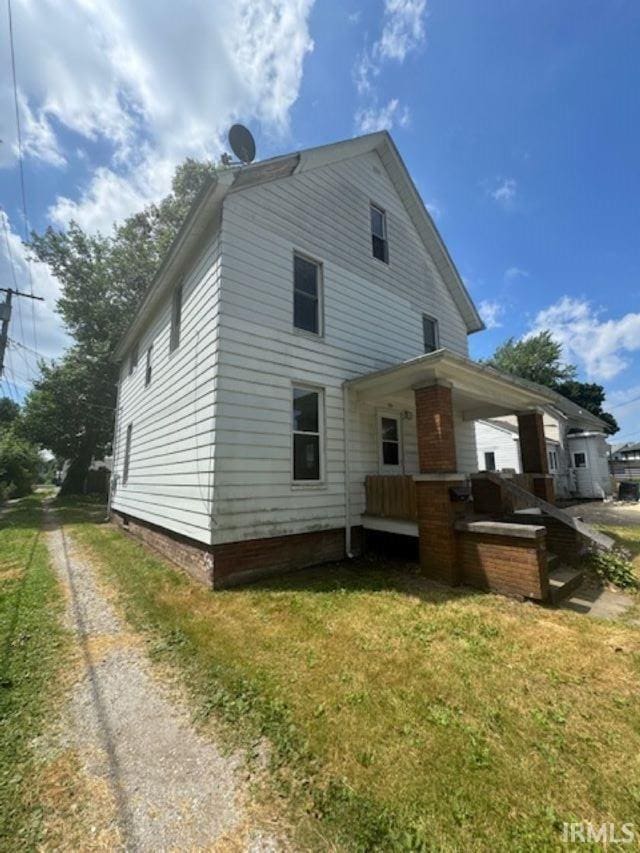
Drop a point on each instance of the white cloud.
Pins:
(151, 88)
(154, 87)
(505, 192)
(435, 211)
(382, 118)
(602, 346)
(402, 32)
(513, 273)
(35, 325)
(491, 313)
(403, 28)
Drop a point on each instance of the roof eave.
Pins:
(200, 214)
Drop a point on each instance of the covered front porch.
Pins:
(457, 516)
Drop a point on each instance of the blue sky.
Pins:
(518, 121)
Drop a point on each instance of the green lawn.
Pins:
(33, 648)
(400, 716)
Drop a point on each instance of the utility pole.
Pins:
(5, 316)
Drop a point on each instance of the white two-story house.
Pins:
(272, 365)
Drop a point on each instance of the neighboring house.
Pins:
(575, 444)
(625, 460)
(307, 332)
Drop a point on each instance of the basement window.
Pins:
(306, 427)
(379, 242)
(127, 455)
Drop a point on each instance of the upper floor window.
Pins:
(307, 284)
(430, 333)
(127, 455)
(306, 425)
(176, 317)
(553, 460)
(133, 358)
(147, 373)
(379, 241)
(579, 460)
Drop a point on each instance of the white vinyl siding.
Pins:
(372, 318)
(172, 455)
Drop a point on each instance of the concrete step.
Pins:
(563, 580)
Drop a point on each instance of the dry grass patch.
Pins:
(401, 714)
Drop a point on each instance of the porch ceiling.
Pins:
(478, 391)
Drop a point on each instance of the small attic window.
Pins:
(379, 243)
(133, 358)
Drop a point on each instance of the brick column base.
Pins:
(437, 515)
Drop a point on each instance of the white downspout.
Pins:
(347, 472)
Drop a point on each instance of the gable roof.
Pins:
(235, 179)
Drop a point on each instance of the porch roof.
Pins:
(479, 391)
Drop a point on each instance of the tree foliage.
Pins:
(19, 459)
(103, 281)
(539, 359)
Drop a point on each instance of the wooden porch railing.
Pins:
(391, 496)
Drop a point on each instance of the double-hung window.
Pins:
(307, 434)
(148, 369)
(553, 460)
(489, 460)
(429, 333)
(379, 242)
(127, 455)
(176, 318)
(133, 358)
(307, 285)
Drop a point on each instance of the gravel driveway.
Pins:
(170, 788)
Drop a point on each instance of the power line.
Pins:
(21, 163)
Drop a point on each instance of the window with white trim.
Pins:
(176, 318)
(133, 358)
(489, 461)
(429, 333)
(579, 460)
(307, 434)
(379, 242)
(553, 460)
(127, 455)
(307, 285)
(148, 368)
(390, 441)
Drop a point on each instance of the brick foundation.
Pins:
(236, 563)
(194, 557)
(509, 564)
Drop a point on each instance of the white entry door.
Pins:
(390, 443)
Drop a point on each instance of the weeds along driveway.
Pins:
(166, 786)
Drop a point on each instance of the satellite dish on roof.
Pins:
(242, 143)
